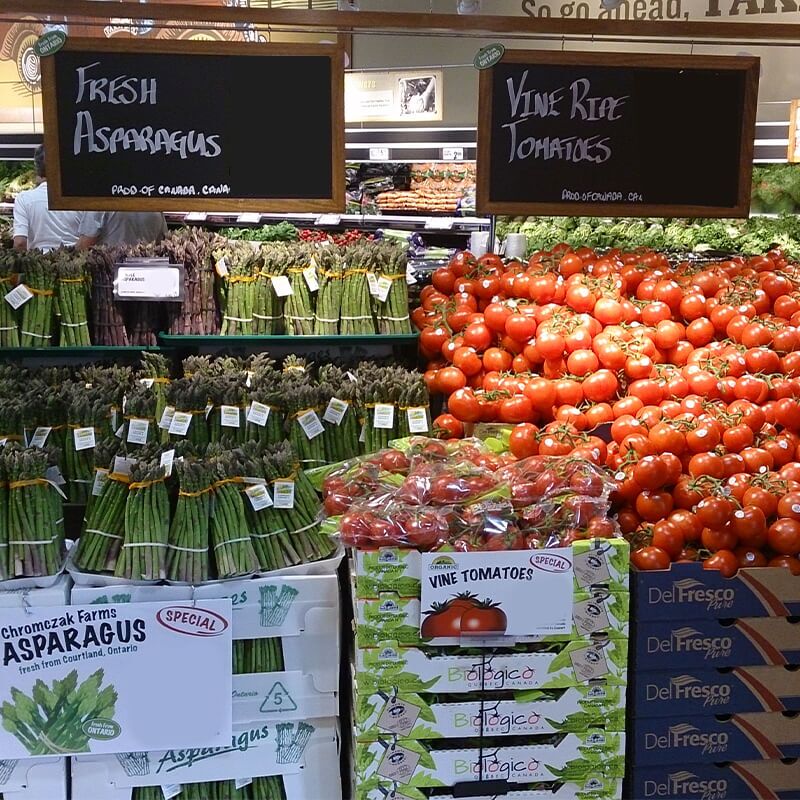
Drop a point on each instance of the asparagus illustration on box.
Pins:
(291, 744)
(57, 720)
(134, 764)
(6, 769)
(275, 607)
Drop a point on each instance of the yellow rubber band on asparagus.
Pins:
(349, 272)
(42, 292)
(119, 477)
(208, 489)
(241, 278)
(28, 482)
(222, 482)
(12, 437)
(297, 270)
(290, 479)
(326, 273)
(394, 277)
(146, 484)
(303, 411)
(72, 280)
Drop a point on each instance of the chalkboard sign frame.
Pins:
(749, 65)
(334, 202)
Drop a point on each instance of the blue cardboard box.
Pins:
(687, 591)
(746, 780)
(705, 692)
(692, 740)
(715, 643)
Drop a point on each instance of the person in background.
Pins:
(36, 227)
(121, 227)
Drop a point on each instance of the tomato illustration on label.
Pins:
(463, 615)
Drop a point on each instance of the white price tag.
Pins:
(222, 268)
(54, 475)
(195, 216)
(229, 416)
(384, 287)
(417, 420)
(384, 416)
(83, 438)
(18, 296)
(283, 492)
(119, 431)
(311, 425)
(362, 437)
(328, 219)
(281, 285)
(147, 382)
(137, 430)
(258, 495)
(240, 783)
(181, 420)
(166, 418)
(438, 224)
(335, 411)
(40, 437)
(100, 478)
(310, 274)
(372, 282)
(173, 789)
(249, 218)
(209, 409)
(123, 466)
(167, 460)
(258, 414)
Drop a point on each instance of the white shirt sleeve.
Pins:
(20, 216)
(92, 223)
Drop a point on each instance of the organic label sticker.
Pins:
(384, 416)
(398, 764)
(181, 420)
(589, 663)
(335, 411)
(100, 478)
(311, 425)
(18, 296)
(258, 496)
(40, 437)
(310, 274)
(417, 420)
(229, 416)
(283, 492)
(398, 716)
(258, 414)
(137, 430)
(166, 461)
(281, 285)
(383, 288)
(83, 438)
(590, 616)
(591, 567)
(166, 418)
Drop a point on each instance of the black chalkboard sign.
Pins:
(614, 134)
(194, 125)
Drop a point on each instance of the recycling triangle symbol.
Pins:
(278, 699)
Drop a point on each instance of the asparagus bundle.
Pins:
(235, 265)
(257, 655)
(298, 309)
(226, 422)
(35, 515)
(72, 276)
(85, 415)
(9, 329)
(393, 314)
(305, 426)
(38, 313)
(356, 313)
(155, 373)
(190, 396)
(108, 323)
(329, 296)
(338, 396)
(104, 453)
(187, 556)
(139, 423)
(53, 720)
(264, 411)
(413, 406)
(144, 550)
(11, 424)
(230, 537)
(267, 306)
(4, 507)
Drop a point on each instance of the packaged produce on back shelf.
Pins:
(681, 380)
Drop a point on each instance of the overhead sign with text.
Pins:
(397, 96)
(115, 678)
(616, 134)
(156, 125)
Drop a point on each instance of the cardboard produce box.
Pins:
(55, 595)
(741, 737)
(688, 592)
(594, 788)
(34, 779)
(736, 780)
(704, 692)
(415, 716)
(393, 618)
(712, 643)
(305, 754)
(597, 562)
(409, 669)
(425, 764)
